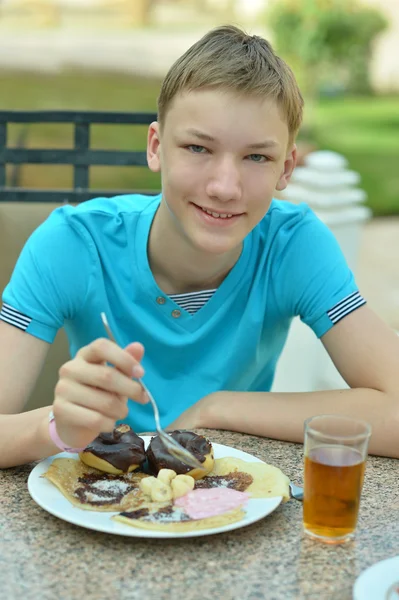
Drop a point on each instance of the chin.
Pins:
(215, 246)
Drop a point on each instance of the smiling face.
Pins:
(221, 157)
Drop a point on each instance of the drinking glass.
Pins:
(335, 450)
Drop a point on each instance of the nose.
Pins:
(224, 183)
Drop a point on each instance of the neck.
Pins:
(179, 267)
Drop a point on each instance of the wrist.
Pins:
(43, 434)
(55, 438)
(211, 413)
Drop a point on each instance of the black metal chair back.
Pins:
(81, 156)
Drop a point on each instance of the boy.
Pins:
(205, 277)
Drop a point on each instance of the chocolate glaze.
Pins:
(159, 458)
(121, 448)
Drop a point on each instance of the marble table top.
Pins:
(43, 557)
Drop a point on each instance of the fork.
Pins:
(173, 447)
(296, 491)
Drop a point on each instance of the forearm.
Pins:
(24, 438)
(281, 415)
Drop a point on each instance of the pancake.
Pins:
(258, 480)
(267, 480)
(238, 480)
(174, 519)
(91, 489)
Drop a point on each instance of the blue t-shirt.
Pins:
(92, 258)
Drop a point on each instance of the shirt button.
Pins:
(176, 314)
(161, 300)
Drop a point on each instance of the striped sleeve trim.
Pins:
(346, 306)
(14, 317)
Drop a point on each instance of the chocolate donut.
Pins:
(159, 458)
(118, 452)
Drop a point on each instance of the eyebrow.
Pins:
(256, 146)
(265, 144)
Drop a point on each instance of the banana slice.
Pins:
(166, 475)
(166, 486)
(161, 492)
(146, 485)
(187, 479)
(181, 485)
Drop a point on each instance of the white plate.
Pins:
(374, 582)
(47, 495)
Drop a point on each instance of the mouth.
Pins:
(214, 215)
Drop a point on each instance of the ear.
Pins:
(154, 147)
(289, 166)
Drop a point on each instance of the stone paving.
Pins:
(378, 268)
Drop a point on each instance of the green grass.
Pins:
(365, 130)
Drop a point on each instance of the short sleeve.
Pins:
(51, 278)
(313, 280)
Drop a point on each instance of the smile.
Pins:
(218, 215)
(211, 217)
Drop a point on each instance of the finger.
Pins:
(103, 350)
(106, 403)
(81, 418)
(102, 377)
(136, 350)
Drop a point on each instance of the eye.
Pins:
(195, 149)
(259, 158)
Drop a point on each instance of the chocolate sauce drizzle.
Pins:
(103, 489)
(238, 481)
(166, 514)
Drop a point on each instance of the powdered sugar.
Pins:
(175, 515)
(111, 486)
(222, 483)
(103, 491)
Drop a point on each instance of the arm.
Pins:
(21, 359)
(366, 353)
(89, 397)
(46, 288)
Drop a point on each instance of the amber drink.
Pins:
(335, 457)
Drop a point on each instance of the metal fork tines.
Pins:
(173, 447)
(296, 491)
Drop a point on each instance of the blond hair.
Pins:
(228, 58)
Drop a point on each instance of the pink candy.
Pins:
(209, 502)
